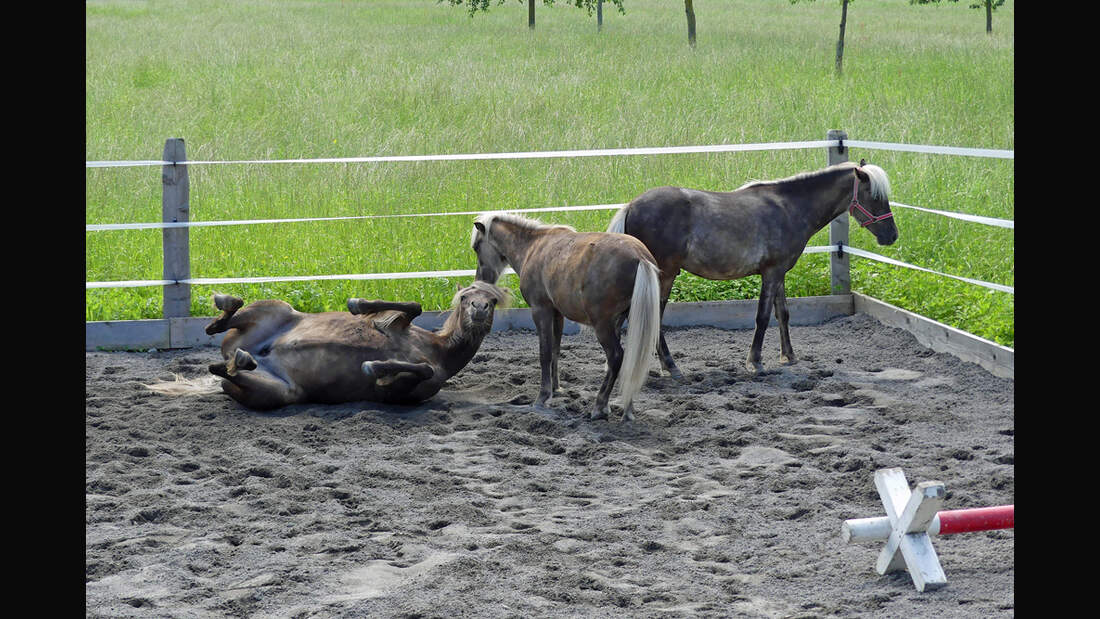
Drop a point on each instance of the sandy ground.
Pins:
(724, 498)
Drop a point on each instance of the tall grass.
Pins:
(297, 79)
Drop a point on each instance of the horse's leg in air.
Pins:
(381, 370)
(544, 318)
(662, 348)
(240, 360)
(783, 317)
(363, 306)
(256, 390)
(229, 305)
(763, 316)
(608, 336)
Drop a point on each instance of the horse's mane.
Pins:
(454, 327)
(487, 219)
(880, 183)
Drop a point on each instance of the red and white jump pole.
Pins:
(912, 519)
(944, 523)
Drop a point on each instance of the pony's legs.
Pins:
(228, 305)
(608, 336)
(544, 318)
(783, 317)
(763, 316)
(363, 306)
(662, 347)
(381, 370)
(559, 325)
(256, 390)
(397, 378)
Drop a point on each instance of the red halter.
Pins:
(855, 204)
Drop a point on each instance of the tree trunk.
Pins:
(531, 14)
(691, 21)
(599, 15)
(840, 41)
(989, 16)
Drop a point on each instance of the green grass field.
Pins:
(297, 79)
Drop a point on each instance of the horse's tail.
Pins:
(188, 386)
(618, 222)
(642, 332)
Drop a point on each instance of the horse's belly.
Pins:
(723, 265)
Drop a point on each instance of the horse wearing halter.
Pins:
(856, 205)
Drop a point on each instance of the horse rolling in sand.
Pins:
(276, 356)
(592, 278)
(762, 227)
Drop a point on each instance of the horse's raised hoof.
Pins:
(353, 306)
(241, 360)
(228, 302)
(218, 369)
(368, 366)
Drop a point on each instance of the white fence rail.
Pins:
(180, 278)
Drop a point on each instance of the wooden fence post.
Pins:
(840, 277)
(176, 207)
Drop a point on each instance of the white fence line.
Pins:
(659, 150)
(990, 221)
(948, 150)
(197, 281)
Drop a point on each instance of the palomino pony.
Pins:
(276, 356)
(762, 227)
(593, 278)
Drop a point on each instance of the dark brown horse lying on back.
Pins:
(276, 356)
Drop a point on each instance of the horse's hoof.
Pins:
(785, 360)
(368, 369)
(353, 306)
(628, 415)
(242, 360)
(677, 375)
(227, 302)
(598, 414)
(754, 368)
(218, 369)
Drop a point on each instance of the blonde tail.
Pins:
(188, 386)
(642, 332)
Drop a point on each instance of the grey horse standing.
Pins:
(762, 227)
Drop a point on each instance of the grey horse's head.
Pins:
(873, 202)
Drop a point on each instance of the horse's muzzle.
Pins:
(888, 237)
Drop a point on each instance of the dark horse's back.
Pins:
(716, 235)
(659, 218)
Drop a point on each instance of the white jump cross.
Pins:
(910, 515)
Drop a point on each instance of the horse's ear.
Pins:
(863, 176)
(862, 162)
(480, 227)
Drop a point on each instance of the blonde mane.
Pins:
(487, 219)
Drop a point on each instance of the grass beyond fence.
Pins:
(263, 80)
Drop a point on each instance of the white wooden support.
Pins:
(910, 513)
